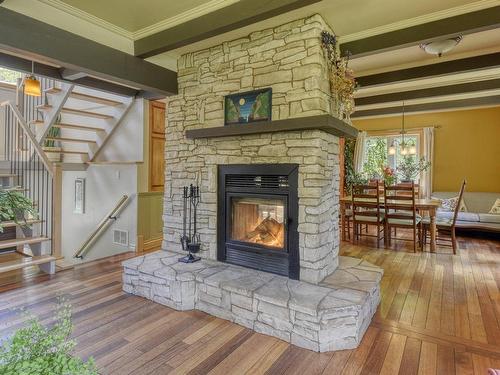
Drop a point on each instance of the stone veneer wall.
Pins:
(290, 59)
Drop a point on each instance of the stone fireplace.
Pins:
(269, 210)
(290, 60)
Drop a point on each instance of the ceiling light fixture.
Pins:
(32, 86)
(438, 47)
(404, 147)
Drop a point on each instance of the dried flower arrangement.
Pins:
(342, 82)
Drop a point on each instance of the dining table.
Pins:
(421, 204)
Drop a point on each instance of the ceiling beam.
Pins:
(425, 71)
(234, 16)
(48, 71)
(430, 92)
(28, 37)
(434, 106)
(485, 19)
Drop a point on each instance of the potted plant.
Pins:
(410, 167)
(388, 175)
(51, 147)
(14, 206)
(36, 349)
(355, 179)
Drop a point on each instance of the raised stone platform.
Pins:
(333, 315)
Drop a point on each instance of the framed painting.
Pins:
(247, 107)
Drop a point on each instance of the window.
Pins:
(377, 155)
(9, 76)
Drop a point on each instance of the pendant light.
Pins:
(32, 86)
(404, 148)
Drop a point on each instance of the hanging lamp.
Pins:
(32, 86)
(404, 148)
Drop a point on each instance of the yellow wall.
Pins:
(467, 145)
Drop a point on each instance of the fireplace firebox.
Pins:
(258, 215)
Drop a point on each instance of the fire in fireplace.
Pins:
(259, 221)
(258, 217)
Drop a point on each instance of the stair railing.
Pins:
(101, 227)
(29, 163)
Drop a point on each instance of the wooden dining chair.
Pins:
(400, 212)
(366, 211)
(445, 227)
(347, 224)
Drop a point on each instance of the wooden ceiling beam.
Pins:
(468, 23)
(234, 16)
(48, 71)
(430, 92)
(40, 41)
(426, 107)
(468, 64)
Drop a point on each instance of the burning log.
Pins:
(269, 232)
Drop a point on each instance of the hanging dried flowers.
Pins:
(342, 82)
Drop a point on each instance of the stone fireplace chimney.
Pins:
(290, 60)
(269, 212)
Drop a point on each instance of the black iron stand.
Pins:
(190, 241)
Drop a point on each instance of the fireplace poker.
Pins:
(190, 242)
(184, 238)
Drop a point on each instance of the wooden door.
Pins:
(156, 146)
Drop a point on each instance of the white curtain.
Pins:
(428, 154)
(359, 152)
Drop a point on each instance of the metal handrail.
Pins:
(101, 227)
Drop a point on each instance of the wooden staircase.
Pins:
(27, 248)
(85, 121)
(66, 128)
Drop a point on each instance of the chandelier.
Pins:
(404, 147)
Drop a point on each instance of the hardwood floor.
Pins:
(440, 314)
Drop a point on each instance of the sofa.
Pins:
(476, 217)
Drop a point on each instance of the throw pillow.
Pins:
(496, 207)
(450, 204)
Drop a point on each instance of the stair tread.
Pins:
(25, 262)
(94, 99)
(81, 112)
(21, 241)
(11, 223)
(52, 90)
(70, 126)
(13, 188)
(73, 152)
(43, 107)
(74, 140)
(78, 112)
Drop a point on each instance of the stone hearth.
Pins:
(333, 315)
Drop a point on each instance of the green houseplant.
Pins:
(41, 350)
(15, 206)
(410, 167)
(52, 147)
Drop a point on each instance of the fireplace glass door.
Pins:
(259, 221)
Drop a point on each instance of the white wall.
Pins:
(105, 185)
(126, 143)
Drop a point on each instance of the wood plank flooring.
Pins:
(440, 314)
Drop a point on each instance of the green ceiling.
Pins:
(133, 15)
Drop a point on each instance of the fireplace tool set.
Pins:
(190, 239)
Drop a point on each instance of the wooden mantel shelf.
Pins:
(326, 123)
